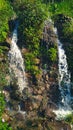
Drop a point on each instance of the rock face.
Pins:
(41, 97)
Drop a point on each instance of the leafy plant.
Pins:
(52, 54)
(30, 64)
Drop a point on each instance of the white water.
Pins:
(16, 62)
(64, 82)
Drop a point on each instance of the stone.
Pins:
(32, 114)
(46, 77)
(35, 105)
(27, 75)
(42, 88)
(47, 86)
(39, 91)
(25, 50)
(8, 40)
(38, 97)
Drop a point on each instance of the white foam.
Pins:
(62, 113)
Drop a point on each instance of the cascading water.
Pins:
(16, 62)
(64, 82)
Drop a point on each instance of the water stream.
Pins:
(64, 82)
(16, 62)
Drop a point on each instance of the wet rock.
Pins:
(54, 93)
(52, 106)
(26, 105)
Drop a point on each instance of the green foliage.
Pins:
(30, 64)
(6, 13)
(61, 7)
(52, 54)
(32, 40)
(4, 126)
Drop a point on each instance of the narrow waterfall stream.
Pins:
(17, 71)
(16, 62)
(64, 82)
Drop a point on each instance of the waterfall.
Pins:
(64, 82)
(16, 63)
